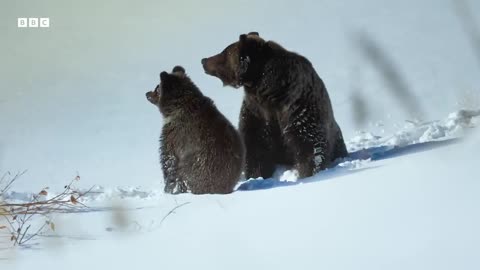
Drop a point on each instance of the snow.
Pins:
(72, 101)
(373, 218)
(363, 148)
(289, 176)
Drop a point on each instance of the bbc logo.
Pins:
(33, 22)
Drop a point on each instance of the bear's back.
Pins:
(213, 150)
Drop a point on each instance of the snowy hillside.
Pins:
(72, 101)
(383, 208)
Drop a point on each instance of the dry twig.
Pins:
(173, 211)
(19, 216)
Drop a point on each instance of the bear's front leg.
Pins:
(308, 146)
(304, 158)
(256, 134)
(173, 182)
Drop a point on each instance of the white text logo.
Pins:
(33, 22)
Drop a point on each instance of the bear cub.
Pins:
(286, 116)
(200, 151)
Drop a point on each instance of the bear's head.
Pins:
(240, 63)
(175, 89)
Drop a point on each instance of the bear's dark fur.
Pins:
(200, 151)
(286, 116)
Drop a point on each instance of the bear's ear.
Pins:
(164, 76)
(254, 34)
(242, 38)
(179, 71)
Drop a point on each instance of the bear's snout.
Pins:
(152, 96)
(208, 65)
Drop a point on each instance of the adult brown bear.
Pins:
(200, 150)
(286, 116)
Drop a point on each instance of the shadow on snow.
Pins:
(374, 154)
